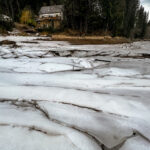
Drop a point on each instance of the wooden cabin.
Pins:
(50, 16)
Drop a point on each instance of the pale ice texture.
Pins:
(57, 96)
(137, 143)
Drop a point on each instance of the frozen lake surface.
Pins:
(57, 96)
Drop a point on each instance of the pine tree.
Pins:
(141, 23)
(130, 16)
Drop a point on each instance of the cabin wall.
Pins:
(44, 24)
(50, 20)
(57, 24)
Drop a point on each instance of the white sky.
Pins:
(146, 4)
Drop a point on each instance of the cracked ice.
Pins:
(54, 95)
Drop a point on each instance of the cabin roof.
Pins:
(51, 9)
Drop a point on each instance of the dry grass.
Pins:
(82, 40)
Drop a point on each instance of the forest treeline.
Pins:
(118, 17)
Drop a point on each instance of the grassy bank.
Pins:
(82, 40)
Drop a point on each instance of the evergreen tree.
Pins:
(141, 23)
(130, 16)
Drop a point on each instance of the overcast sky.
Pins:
(146, 4)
